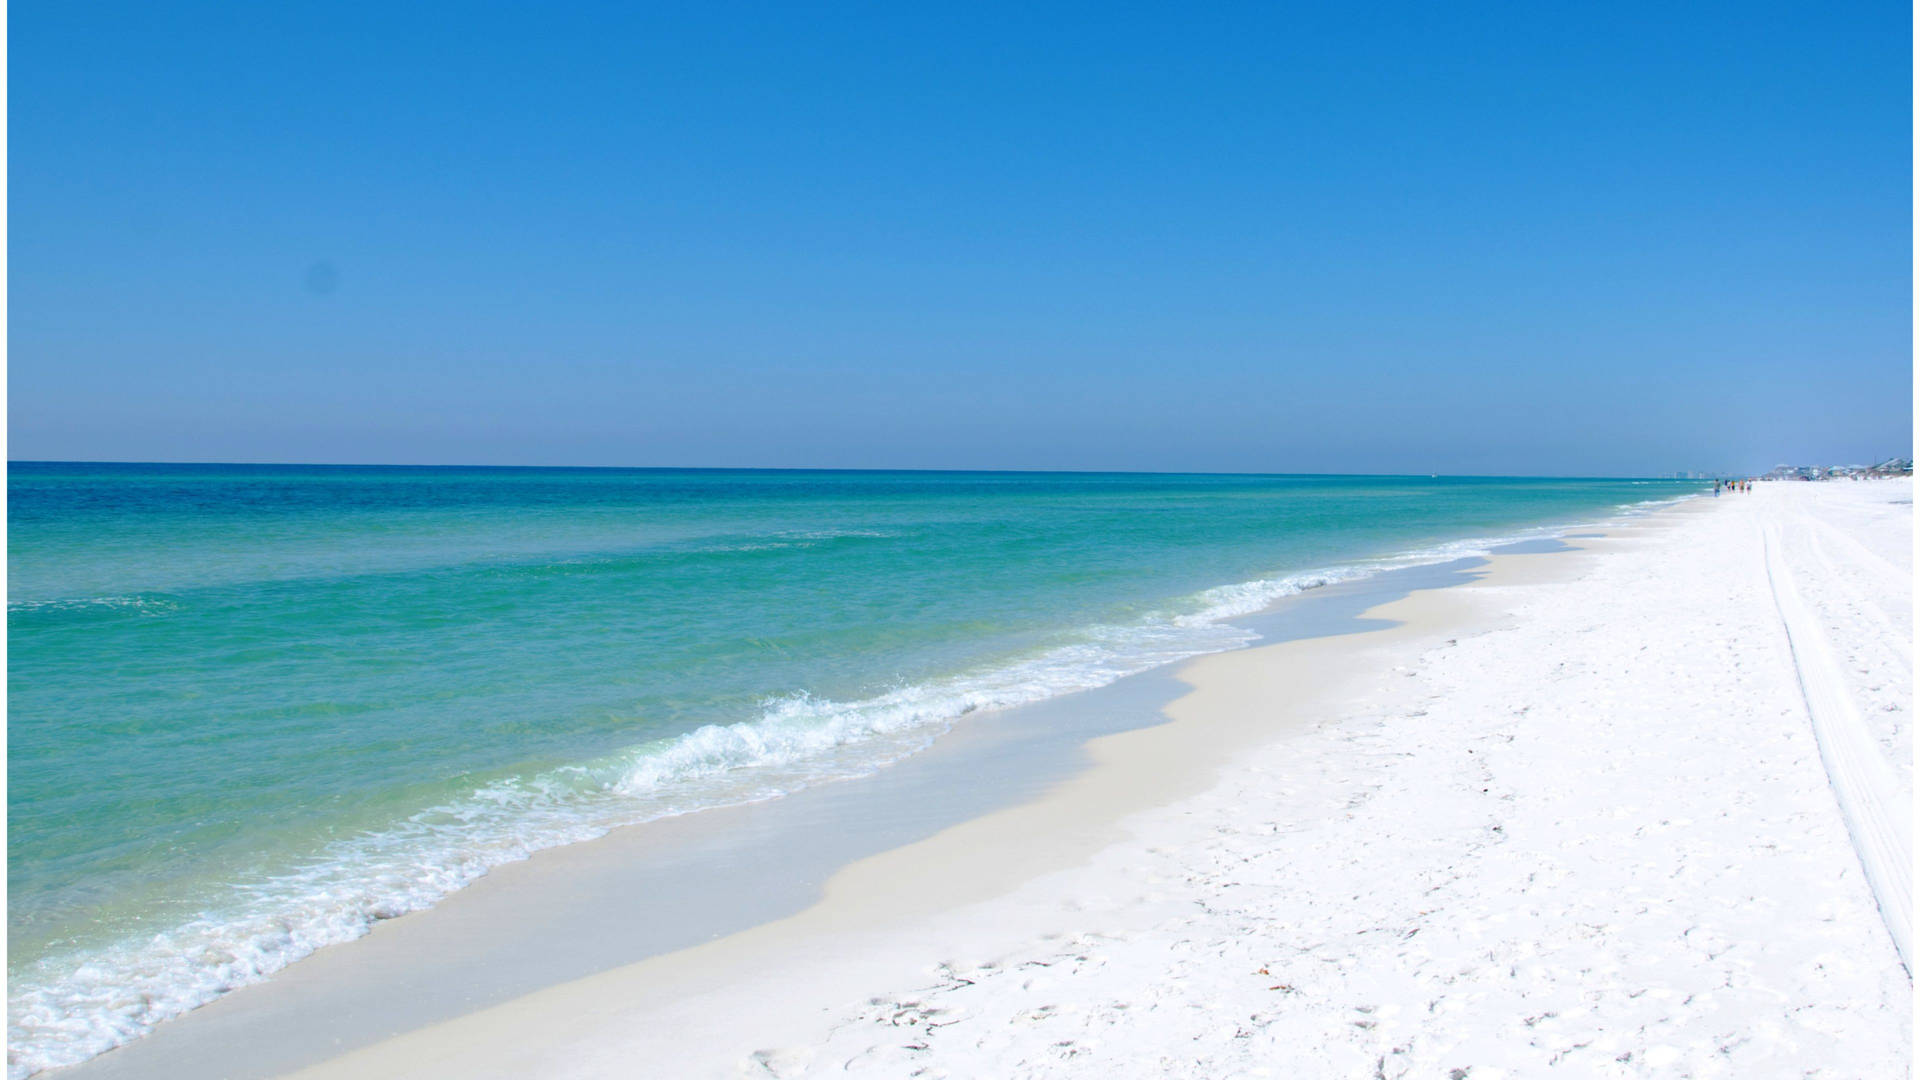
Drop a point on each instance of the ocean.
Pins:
(255, 709)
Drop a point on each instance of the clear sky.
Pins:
(1530, 238)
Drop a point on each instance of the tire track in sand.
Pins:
(1863, 783)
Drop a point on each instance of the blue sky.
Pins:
(1537, 238)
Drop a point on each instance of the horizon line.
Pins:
(1022, 469)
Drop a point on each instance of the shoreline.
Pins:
(361, 879)
(273, 1015)
(871, 908)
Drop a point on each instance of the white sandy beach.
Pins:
(1569, 819)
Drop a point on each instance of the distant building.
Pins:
(1889, 467)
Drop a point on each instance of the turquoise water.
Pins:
(255, 709)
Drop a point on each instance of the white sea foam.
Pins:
(145, 605)
(70, 1008)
